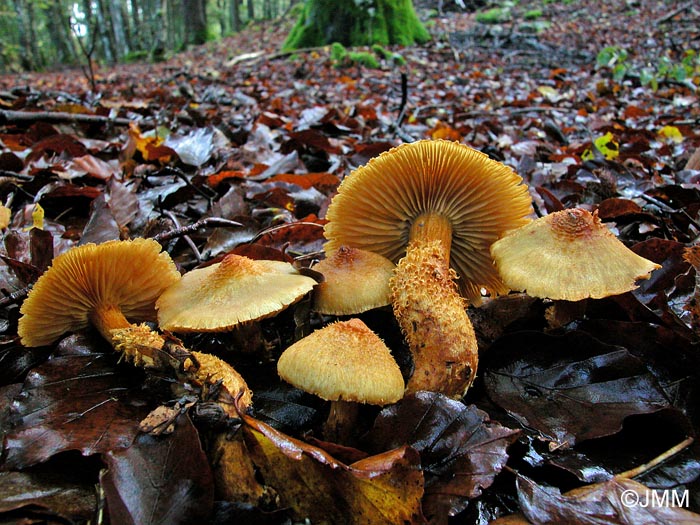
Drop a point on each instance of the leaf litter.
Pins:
(225, 155)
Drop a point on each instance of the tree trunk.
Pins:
(195, 21)
(356, 23)
(235, 15)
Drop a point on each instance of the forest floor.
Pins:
(233, 147)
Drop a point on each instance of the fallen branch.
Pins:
(8, 116)
(673, 13)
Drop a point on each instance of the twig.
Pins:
(170, 215)
(15, 297)
(673, 13)
(641, 469)
(7, 116)
(169, 170)
(273, 229)
(185, 230)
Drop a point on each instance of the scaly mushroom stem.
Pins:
(138, 343)
(433, 317)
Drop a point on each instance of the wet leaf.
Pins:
(619, 501)
(163, 479)
(550, 384)
(79, 400)
(461, 450)
(382, 489)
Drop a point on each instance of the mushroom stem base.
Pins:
(433, 318)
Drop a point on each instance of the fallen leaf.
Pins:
(381, 489)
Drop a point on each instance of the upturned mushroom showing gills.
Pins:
(569, 255)
(345, 363)
(218, 297)
(104, 285)
(435, 207)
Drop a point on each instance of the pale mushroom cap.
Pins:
(355, 281)
(482, 198)
(343, 361)
(568, 255)
(238, 289)
(127, 274)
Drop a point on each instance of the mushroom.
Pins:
(441, 205)
(354, 281)
(103, 285)
(218, 297)
(569, 255)
(347, 364)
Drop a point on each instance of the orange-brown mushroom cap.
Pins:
(344, 361)
(568, 255)
(222, 295)
(127, 275)
(355, 281)
(377, 204)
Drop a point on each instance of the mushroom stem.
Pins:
(340, 424)
(433, 226)
(107, 318)
(433, 319)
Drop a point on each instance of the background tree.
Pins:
(360, 22)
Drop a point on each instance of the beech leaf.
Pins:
(164, 479)
(571, 387)
(461, 450)
(79, 401)
(381, 489)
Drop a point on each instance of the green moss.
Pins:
(382, 22)
(495, 15)
(532, 14)
(364, 58)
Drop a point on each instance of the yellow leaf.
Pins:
(38, 217)
(672, 133)
(607, 146)
(5, 216)
(384, 489)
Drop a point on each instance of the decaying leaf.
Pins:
(461, 450)
(160, 480)
(381, 489)
(78, 400)
(571, 387)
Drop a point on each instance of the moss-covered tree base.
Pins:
(369, 22)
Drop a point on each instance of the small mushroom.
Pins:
(223, 295)
(569, 255)
(355, 281)
(104, 285)
(441, 205)
(345, 363)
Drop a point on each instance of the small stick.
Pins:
(185, 230)
(641, 469)
(170, 215)
(273, 229)
(7, 115)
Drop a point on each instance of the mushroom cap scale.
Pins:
(236, 290)
(126, 275)
(355, 281)
(377, 204)
(344, 361)
(568, 255)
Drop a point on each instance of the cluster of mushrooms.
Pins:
(428, 227)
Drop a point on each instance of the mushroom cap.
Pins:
(129, 275)
(568, 255)
(355, 281)
(238, 289)
(344, 361)
(482, 198)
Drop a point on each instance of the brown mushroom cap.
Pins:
(343, 361)
(568, 255)
(355, 281)
(377, 204)
(127, 275)
(238, 289)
